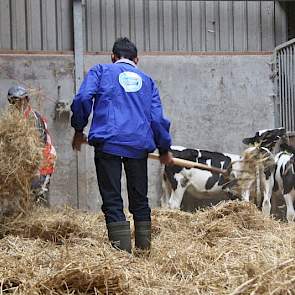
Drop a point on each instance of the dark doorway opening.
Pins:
(290, 9)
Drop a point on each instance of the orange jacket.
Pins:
(47, 165)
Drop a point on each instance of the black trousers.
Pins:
(109, 171)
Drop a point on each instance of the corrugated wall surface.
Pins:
(155, 25)
(186, 25)
(36, 24)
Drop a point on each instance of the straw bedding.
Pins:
(21, 153)
(230, 248)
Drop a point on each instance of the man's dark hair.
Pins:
(124, 48)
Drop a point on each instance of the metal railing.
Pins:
(285, 85)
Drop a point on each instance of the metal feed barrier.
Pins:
(285, 86)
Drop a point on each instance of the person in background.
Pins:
(18, 97)
(127, 124)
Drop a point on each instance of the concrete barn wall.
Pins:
(213, 102)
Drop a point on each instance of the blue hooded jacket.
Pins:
(127, 118)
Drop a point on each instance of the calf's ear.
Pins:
(196, 153)
(248, 140)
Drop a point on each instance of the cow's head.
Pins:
(266, 138)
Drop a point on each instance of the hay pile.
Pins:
(21, 153)
(228, 249)
(256, 161)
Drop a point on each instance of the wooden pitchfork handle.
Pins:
(190, 164)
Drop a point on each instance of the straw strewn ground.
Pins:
(228, 249)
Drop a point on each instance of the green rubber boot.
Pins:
(119, 235)
(142, 235)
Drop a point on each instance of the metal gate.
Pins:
(285, 86)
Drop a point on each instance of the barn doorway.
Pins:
(290, 9)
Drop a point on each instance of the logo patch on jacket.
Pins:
(130, 81)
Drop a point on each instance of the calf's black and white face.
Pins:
(266, 138)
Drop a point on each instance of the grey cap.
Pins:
(16, 92)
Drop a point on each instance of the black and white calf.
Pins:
(177, 179)
(261, 181)
(268, 141)
(284, 178)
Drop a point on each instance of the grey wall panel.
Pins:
(267, 25)
(226, 27)
(154, 25)
(254, 26)
(189, 32)
(174, 16)
(34, 25)
(210, 29)
(182, 26)
(59, 19)
(163, 25)
(153, 28)
(196, 27)
(57, 24)
(64, 15)
(217, 24)
(240, 25)
(132, 22)
(139, 22)
(110, 33)
(93, 25)
(202, 25)
(146, 28)
(49, 25)
(5, 25)
(167, 25)
(18, 24)
(124, 18)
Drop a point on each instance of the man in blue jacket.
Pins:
(127, 124)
